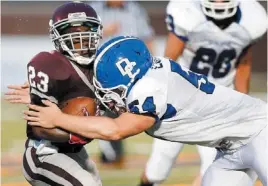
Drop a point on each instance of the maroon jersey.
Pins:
(51, 76)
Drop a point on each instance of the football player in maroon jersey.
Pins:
(54, 156)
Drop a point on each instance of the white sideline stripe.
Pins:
(41, 95)
(105, 49)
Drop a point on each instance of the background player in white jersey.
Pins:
(179, 106)
(213, 38)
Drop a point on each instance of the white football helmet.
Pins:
(219, 9)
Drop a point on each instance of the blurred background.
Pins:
(24, 33)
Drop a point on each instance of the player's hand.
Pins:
(42, 116)
(18, 94)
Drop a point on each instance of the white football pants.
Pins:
(227, 168)
(164, 155)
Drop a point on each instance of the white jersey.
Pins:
(190, 109)
(210, 50)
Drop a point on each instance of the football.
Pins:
(80, 106)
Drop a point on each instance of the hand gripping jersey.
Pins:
(52, 76)
(190, 109)
(210, 50)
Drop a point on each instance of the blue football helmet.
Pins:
(120, 62)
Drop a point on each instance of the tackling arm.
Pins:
(105, 128)
(97, 127)
(243, 71)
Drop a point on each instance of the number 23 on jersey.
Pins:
(42, 84)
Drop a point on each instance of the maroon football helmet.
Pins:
(76, 30)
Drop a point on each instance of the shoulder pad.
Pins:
(183, 16)
(54, 64)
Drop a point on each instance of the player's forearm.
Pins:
(90, 127)
(54, 135)
(242, 78)
(174, 47)
(242, 84)
(243, 71)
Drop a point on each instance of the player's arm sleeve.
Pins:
(44, 75)
(46, 78)
(174, 23)
(151, 101)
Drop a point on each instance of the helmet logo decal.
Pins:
(126, 67)
(77, 15)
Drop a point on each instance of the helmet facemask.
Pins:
(219, 9)
(79, 38)
(114, 99)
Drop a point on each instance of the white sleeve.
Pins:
(173, 23)
(148, 98)
(182, 17)
(254, 18)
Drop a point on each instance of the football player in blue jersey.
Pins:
(167, 101)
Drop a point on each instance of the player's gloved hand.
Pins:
(76, 139)
(18, 94)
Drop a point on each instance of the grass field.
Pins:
(137, 149)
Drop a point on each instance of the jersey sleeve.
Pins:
(254, 19)
(47, 78)
(182, 17)
(147, 98)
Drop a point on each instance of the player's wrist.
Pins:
(59, 120)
